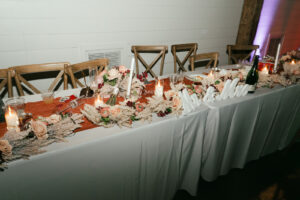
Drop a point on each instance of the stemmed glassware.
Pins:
(93, 83)
(180, 76)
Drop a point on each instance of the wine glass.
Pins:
(173, 79)
(180, 76)
(93, 78)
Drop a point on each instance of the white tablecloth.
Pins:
(149, 161)
(243, 129)
(152, 161)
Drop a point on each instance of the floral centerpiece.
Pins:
(37, 134)
(114, 82)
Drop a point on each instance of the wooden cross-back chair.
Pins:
(100, 64)
(18, 73)
(212, 57)
(190, 48)
(5, 80)
(240, 52)
(159, 49)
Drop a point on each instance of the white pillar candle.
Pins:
(277, 57)
(159, 89)
(130, 77)
(98, 102)
(12, 120)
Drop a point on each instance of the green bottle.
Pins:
(2, 112)
(252, 76)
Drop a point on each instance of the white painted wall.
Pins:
(38, 31)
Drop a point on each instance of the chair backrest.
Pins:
(159, 49)
(100, 64)
(240, 52)
(212, 57)
(5, 80)
(19, 71)
(190, 48)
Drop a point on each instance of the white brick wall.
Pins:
(37, 31)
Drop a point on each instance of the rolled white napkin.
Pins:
(226, 89)
(232, 87)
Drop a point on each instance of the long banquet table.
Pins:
(152, 161)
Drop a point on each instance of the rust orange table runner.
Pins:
(40, 108)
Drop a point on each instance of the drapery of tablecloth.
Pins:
(243, 129)
(149, 161)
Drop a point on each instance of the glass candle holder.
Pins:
(17, 104)
(12, 119)
(99, 101)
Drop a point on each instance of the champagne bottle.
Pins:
(252, 76)
(2, 112)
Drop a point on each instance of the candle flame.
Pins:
(158, 83)
(293, 62)
(10, 112)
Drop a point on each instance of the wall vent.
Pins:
(114, 56)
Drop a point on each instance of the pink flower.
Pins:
(139, 107)
(220, 86)
(241, 76)
(5, 148)
(40, 129)
(104, 112)
(176, 102)
(198, 89)
(190, 91)
(115, 112)
(122, 69)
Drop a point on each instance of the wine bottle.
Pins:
(252, 76)
(2, 112)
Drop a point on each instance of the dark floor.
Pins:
(274, 177)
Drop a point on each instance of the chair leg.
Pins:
(19, 85)
(65, 81)
(9, 85)
(72, 78)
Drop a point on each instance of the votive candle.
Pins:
(12, 120)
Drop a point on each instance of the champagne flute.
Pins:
(93, 78)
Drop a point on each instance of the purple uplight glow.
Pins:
(265, 22)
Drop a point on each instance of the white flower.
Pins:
(53, 119)
(113, 74)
